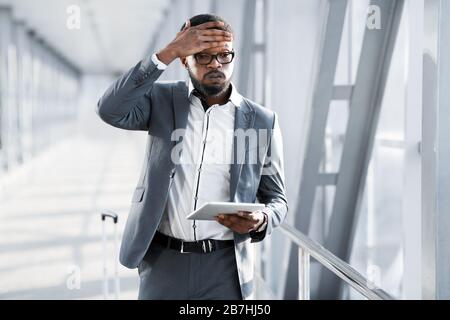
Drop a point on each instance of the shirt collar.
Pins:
(235, 96)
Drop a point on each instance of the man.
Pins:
(196, 153)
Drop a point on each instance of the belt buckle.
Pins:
(182, 247)
(209, 249)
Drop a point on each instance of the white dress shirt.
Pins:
(204, 171)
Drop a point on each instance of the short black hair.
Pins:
(206, 17)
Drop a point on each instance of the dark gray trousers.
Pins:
(167, 274)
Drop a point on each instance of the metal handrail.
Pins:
(309, 247)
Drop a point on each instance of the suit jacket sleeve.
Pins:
(126, 104)
(271, 190)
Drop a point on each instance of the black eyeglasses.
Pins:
(206, 58)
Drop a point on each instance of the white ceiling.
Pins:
(113, 36)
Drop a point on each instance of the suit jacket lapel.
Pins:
(180, 105)
(244, 118)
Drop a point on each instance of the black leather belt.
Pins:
(201, 246)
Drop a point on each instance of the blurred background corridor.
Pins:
(349, 79)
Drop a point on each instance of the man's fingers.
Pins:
(219, 38)
(213, 44)
(223, 221)
(214, 38)
(215, 32)
(236, 223)
(251, 218)
(211, 24)
(248, 215)
(245, 215)
(187, 24)
(236, 220)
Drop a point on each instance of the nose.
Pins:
(214, 64)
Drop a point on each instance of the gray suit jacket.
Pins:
(137, 102)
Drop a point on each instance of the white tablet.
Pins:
(211, 209)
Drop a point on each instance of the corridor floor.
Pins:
(50, 226)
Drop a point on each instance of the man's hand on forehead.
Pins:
(210, 33)
(192, 40)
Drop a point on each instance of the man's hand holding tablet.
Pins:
(239, 217)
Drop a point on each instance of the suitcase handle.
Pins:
(112, 215)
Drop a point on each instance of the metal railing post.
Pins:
(303, 274)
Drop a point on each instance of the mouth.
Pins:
(215, 76)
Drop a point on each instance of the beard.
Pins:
(209, 90)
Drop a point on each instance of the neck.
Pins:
(219, 99)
